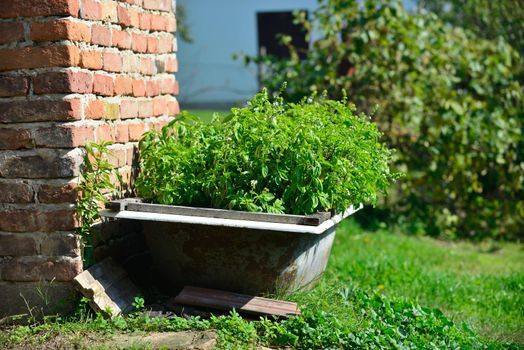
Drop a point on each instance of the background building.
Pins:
(210, 77)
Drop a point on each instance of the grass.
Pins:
(205, 114)
(481, 284)
(368, 298)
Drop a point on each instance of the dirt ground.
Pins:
(188, 340)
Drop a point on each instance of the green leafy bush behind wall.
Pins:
(451, 103)
(270, 156)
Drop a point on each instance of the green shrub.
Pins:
(268, 157)
(487, 18)
(450, 103)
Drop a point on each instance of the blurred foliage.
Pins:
(487, 18)
(182, 28)
(450, 102)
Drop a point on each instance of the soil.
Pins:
(188, 340)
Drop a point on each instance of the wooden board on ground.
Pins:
(134, 204)
(108, 288)
(222, 300)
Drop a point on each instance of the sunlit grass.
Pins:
(482, 284)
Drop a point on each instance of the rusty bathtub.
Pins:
(237, 253)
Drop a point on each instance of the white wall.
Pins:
(220, 28)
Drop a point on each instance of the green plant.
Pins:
(452, 105)
(138, 303)
(370, 295)
(488, 19)
(98, 181)
(270, 156)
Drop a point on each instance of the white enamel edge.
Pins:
(258, 225)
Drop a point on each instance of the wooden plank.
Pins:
(108, 288)
(222, 300)
(136, 205)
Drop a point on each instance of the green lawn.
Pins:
(482, 284)
(206, 114)
(368, 298)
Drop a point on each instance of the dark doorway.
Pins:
(270, 24)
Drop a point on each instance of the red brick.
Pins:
(101, 35)
(131, 63)
(117, 156)
(123, 85)
(145, 108)
(159, 106)
(108, 11)
(91, 9)
(121, 39)
(111, 111)
(15, 191)
(39, 268)
(63, 82)
(157, 124)
(60, 30)
(32, 8)
(171, 24)
(128, 17)
(11, 32)
(172, 107)
(40, 164)
(15, 139)
(176, 88)
(130, 155)
(61, 244)
(168, 85)
(91, 60)
(128, 109)
(120, 133)
(103, 85)
(58, 193)
(145, 21)
(161, 5)
(165, 44)
(171, 65)
(39, 110)
(153, 88)
(39, 57)
(95, 109)
(139, 42)
(147, 66)
(134, 15)
(136, 130)
(158, 22)
(139, 88)
(17, 245)
(112, 62)
(152, 44)
(13, 85)
(63, 136)
(28, 220)
(104, 133)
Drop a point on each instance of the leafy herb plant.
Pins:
(270, 156)
(96, 184)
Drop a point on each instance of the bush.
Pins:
(450, 103)
(268, 157)
(488, 19)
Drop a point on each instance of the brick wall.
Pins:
(70, 71)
